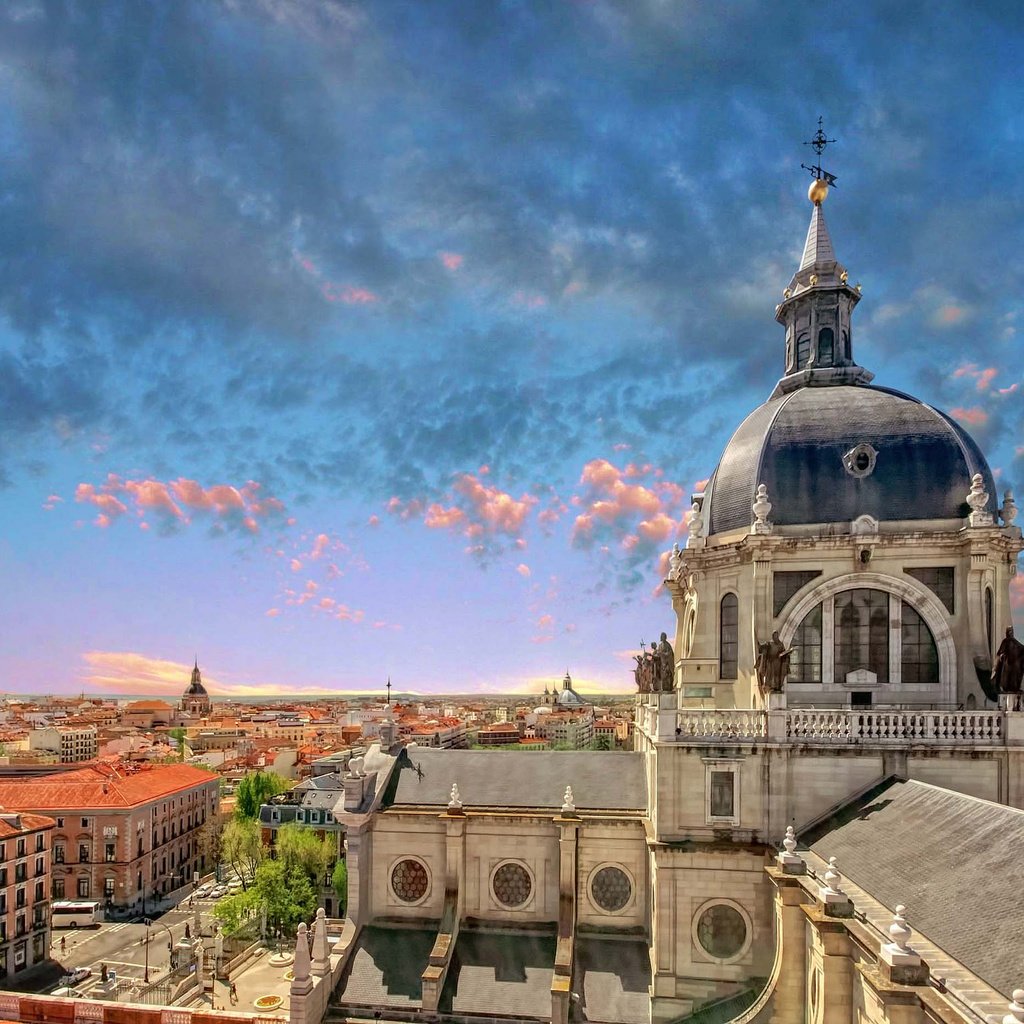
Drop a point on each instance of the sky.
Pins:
(350, 340)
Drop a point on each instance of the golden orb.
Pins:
(817, 192)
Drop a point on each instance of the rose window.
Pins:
(512, 885)
(721, 931)
(409, 881)
(611, 889)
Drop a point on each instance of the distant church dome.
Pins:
(828, 446)
(195, 700)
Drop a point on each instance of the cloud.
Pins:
(451, 260)
(973, 417)
(523, 570)
(181, 502)
(52, 501)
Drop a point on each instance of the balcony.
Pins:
(842, 727)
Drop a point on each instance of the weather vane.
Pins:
(818, 143)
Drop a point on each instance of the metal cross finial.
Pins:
(389, 689)
(818, 143)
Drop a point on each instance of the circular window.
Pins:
(611, 889)
(722, 931)
(511, 885)
(860, 461)
(409, 881)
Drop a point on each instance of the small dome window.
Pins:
(860, 461)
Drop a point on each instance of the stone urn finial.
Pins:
(1008, 513)
(789, 843)
(833, 880)
(568, 803)
(695, 521)
(977, 498)
(899, 930)
(761, 508)
(675, 562)
(455, 803)
(1016, 1013)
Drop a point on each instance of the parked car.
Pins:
(219, 892)
(76, 975)
(65, 992)
(203, 892)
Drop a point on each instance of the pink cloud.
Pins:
(451, 260)
(546, 622)
(167, 501)
(528, 300)
(523, 569)
(272, 613)
(1010, 390)
(374, 520)
(295, 565)
(349, 295)
(496, 510)
(951, 314)
(51, 502)
(973, 417)
(319, 546)
(440, 518)
(985, 378)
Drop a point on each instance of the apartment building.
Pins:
(124, 833)
(24, 890)
(71, 743)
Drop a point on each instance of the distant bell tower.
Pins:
(195, 701)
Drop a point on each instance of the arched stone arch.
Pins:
(919, 597)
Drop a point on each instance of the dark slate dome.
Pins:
(795, 445)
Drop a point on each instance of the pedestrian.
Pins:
(63, 944)
(234, 994)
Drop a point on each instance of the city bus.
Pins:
(76, 914)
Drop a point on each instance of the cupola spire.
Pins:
(818, 304)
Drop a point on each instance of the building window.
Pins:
(39, 866)
(826, 346)
(611, 889)
(990, 622)
(920, 660)
(108, 888)
(39, 890)
(728, 634)
(60, 823)
(110, 852)
(39, 842)
(786, 584)
(862, 633)
(722, 931)
(58, 888)
(21, 847)
(721, 792)
(83, 888)
(803, 351)
(512, 885)
(3, 851)
(409, 881)
(85, 823)
(939, 581)
(805, 661)
(83, 853)
(19, 897)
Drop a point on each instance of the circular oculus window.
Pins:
(409, 881)
(860, 461)
(511, 885)
(721, 931)
(611, 889)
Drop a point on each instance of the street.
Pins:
(122, 946)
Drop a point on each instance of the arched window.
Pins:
(826, 346)
(862, 633)
(847, 355)
(990, 622)
(920, 661)
(729, 637)
(803, 351)
(805, 661)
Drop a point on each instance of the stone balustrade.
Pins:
(845, 726)
(721, 724)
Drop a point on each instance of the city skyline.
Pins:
(342, 342)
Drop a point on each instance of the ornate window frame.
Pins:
(396, 899)
(860, 460)
(717, 901)
(904, 588)
(628, 905)
(732, 766)
(530, 901)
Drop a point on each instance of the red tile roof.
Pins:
(29, 823)
(102, 786)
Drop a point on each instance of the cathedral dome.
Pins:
(831, 454)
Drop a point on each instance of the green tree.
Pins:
(180, 735)
(233, 911)
(287, 897)
(339, 880)
(242, 848)
(256, 789)
(603, 742)
(300, 848)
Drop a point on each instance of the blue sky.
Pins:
(340, 340)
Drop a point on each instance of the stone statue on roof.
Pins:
(1008, 668)
(666, 665)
